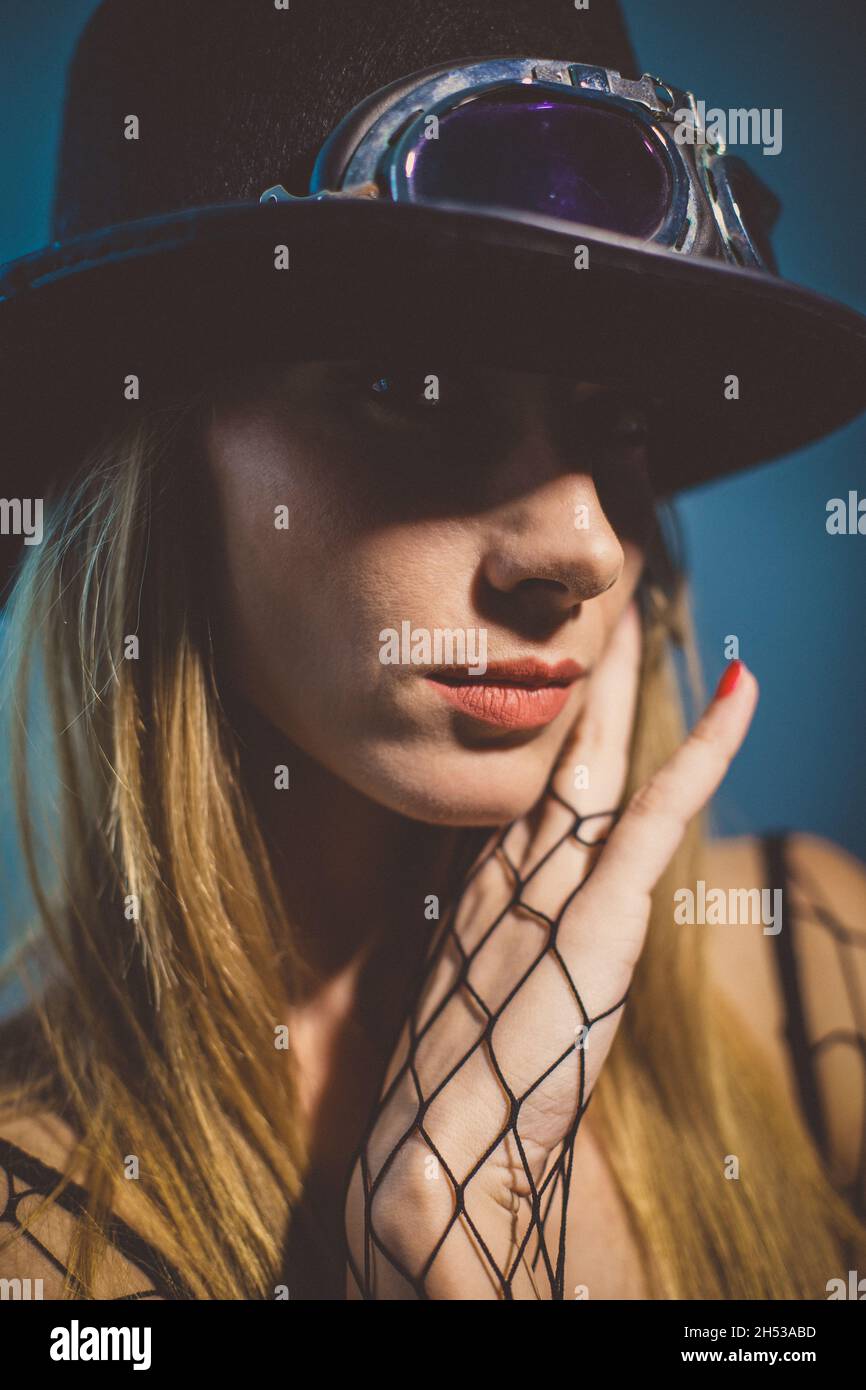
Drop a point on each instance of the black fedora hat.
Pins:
(162, 260)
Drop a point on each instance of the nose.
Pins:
(550, 547)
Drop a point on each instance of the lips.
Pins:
(523, 694)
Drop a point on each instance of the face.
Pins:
(457, 554)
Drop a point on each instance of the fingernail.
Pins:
(729, 679)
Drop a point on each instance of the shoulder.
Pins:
(813, 960)
(823, 909)
(36, 1151)
(43, 1135)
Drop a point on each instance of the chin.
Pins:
(470, 788)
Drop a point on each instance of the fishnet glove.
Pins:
(472, 1141)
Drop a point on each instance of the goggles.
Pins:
(554, 142)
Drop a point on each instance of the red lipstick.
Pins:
(522, 694)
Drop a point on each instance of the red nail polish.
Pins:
(729, 679)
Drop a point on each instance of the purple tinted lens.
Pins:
(583, 162)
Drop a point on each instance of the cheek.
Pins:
(301, 612)
(608, 607)
(634, 557)
(302, 606)
(287, 513)
(280, 521)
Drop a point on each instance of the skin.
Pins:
(366, 547)
(453, 513)
(457, 513)
(519, 972)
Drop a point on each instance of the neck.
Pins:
(354, 875)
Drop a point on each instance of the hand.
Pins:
(522, 996)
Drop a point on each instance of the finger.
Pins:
(644, 840)
(594, 763)
(556, 849)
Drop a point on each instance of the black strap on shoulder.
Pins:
(796, 1033)
(42, 1178)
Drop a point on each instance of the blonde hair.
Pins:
(687, 1086)
(155, 996)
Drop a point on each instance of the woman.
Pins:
(376, 801)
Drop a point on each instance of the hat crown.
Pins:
(232, 97)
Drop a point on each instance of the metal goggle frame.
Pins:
(551, 141)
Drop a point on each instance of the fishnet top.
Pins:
(317, 1262)
(133, 1269)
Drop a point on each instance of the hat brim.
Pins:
(174, 298)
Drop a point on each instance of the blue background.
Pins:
(762, 564)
